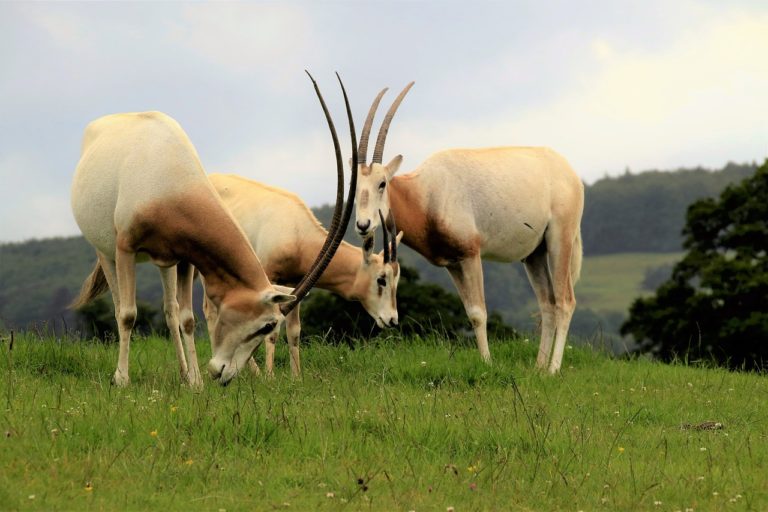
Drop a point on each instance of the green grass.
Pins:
(611, 282)
(390, 425)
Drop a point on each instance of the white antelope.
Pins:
(140, 193)
(463, 205)
(286, 236)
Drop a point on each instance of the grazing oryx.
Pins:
(502, 204)
(140, 193)
(286, 236)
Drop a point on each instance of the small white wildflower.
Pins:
(31, 496)
(703, 449)
(657, 503)
(423, 363)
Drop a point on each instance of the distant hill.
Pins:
(646, 212)
(631, 213)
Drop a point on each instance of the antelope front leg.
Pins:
(467, 275)
(292, 332)
(171, 310)
(125, 312)
(186, 275)
(269, 347)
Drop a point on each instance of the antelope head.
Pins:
(245, 317)
(373, 179)
(377, 280)
(239, 325)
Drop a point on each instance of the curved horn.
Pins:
(384, 231)
(378, 151)
(337, 230)
(362, 149)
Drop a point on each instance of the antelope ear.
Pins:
(367, 248)
(276, 296)
(398, 237)
(393, 166)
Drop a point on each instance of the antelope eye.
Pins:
(382, 281)
(266, 329)
(382, 185)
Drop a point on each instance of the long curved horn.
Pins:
(337, 230)
(362, 149)
(378, 151)
(385, 234)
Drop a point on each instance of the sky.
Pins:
(610, 85)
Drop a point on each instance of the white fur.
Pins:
(512, 204)
(137, 174)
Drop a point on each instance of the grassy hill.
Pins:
(388, 424)
(610, 283)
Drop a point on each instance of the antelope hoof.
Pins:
(254, 367)
(195, 380)
(120, 379)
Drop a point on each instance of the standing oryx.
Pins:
(286, 236)
(140, 193)
(502, 204)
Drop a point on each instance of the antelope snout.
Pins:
(215, 369)
(362, 227)
(389, 322)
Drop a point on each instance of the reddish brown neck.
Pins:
(408, 205)
(195, 227)
(339, 277)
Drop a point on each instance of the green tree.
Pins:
(714, 305)
(97, 319)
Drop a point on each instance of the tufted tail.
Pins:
(93, 286)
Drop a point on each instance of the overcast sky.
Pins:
(610, 85)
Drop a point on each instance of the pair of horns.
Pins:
(390, 247)
(340, 219)
(378, 151)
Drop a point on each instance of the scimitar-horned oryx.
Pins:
(140, 193)
(286, 236)
(463, 205)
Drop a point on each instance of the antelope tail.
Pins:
(576, 257)
(93, 286)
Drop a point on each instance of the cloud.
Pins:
(700, 99)
(304, 164)
(30, 205)
(268, 39)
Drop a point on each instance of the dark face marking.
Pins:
(364, 198)
(368, 244)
